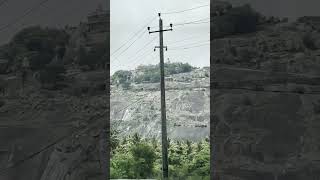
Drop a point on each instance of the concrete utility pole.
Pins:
(165, 171)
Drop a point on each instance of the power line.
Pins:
(189, 22)
(196, 43)
(200, 45)
(129, 46)
(78, 131)
(196, 23)
(26, 13)
(143, 48)
(137, 101)
(262, 71)
(134, 35)
(152, 40)
(153, 19)
(270, 91)
(185, 10)
(216, 86)
(137, 59)
(192, 37)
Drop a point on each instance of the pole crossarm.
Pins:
(159, 47)
(150, 32)
(164, 47)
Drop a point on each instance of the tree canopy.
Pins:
(237, 20)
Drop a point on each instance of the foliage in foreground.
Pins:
(133, 157)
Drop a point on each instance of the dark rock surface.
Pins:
(264, 118)
(52, 135)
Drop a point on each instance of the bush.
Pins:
(151, 73)
(122, 78)
(126, 85)
(38, 44)
(242, 19)
(141, 158)
(144, 158)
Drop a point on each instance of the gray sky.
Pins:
(128, 17)
(56, 13)
(283, 8)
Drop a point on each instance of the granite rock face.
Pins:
(265, 105)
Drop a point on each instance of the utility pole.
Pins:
(165, 171)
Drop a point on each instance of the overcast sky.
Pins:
(55, 13)
(128, 17)
(284, 8)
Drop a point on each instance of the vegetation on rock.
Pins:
(149, 73)
(237, 20)
(122, 78)
(37, 44)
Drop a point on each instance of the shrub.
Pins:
(151, 73)
(141, 158)
(126, 85)
(37, 44)
(144, 158)
(122, 78)
(242, 19)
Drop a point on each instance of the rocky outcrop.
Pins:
(265, 106)
(53, 135)
(187, 102)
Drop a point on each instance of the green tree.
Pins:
(151, 73)
(122, 78)
(36, 43)
(144, 157)
(141, 158)
(242, 19)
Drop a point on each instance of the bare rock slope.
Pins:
(266, 99)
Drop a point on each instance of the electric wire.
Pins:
(185, 10)
(25, 14)
(134, 35)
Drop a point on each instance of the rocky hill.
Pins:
(56, 132)
(137, 110)
(53, 103)
(266, 94)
